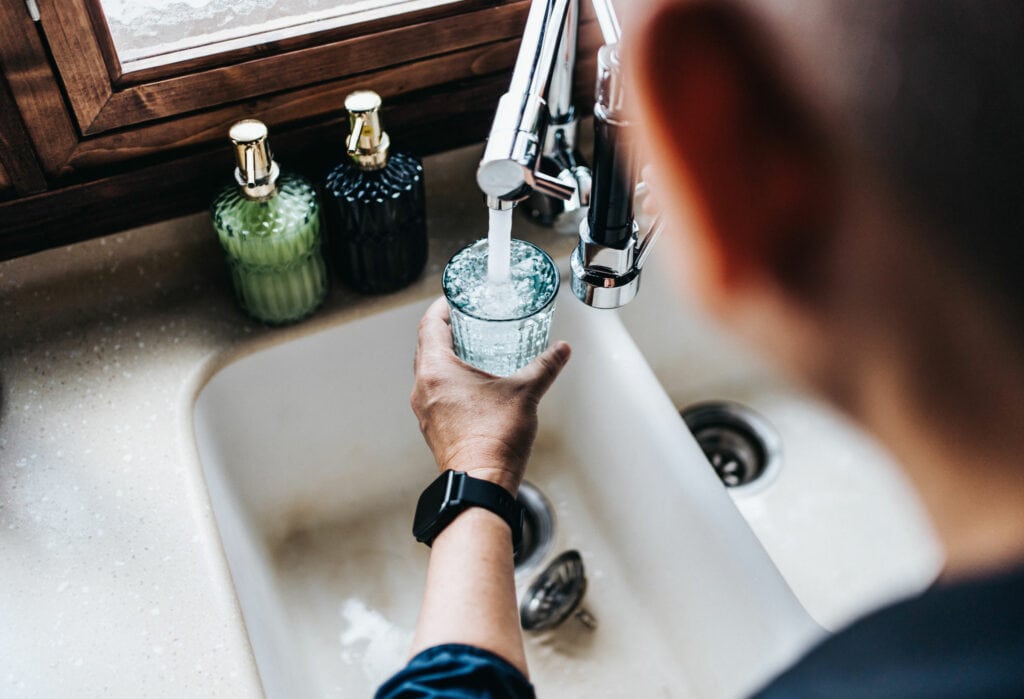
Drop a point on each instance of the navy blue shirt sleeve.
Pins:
(455, 671)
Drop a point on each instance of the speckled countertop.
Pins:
(112, 577)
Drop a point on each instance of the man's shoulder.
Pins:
(959, 640)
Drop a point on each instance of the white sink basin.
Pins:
(314, 462)
(839, 520)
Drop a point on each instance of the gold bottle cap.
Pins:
(368, 143)
(256, 172)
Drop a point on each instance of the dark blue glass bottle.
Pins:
(376, 208)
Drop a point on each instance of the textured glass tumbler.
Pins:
(500, 328)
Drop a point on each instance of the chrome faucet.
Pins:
(607, 261)
(560, 156)
(511, 166)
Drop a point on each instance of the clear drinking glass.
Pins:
(499, 328)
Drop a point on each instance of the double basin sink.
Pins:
(313, 462)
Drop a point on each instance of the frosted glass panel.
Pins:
(149, 33)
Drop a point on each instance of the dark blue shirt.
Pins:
(963, 640)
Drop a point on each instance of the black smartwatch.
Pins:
(453, 492)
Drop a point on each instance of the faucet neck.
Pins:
(509, 168)
(559, 92)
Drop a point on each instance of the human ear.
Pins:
(735, 153)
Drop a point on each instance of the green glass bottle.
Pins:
(268, 223)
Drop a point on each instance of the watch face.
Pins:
(431, 508)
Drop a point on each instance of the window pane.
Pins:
(149, 33)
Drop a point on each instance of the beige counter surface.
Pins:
(112, 577)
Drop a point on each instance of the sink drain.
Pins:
(538, 527)
(740, 444)
(556, 595)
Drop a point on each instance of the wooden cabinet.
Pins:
(86, 149)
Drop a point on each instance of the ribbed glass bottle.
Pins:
(273, 249)
(376, 208)
(380, 228)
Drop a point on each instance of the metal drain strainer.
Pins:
(556, 594)
(741, 445)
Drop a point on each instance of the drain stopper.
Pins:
(556, 594)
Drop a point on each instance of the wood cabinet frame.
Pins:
(88, 149)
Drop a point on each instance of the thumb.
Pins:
(545, 368)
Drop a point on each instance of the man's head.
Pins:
(845, 180)
(827, 161)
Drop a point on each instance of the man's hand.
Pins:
(473, 421)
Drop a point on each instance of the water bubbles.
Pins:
(532, 282)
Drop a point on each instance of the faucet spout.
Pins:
(509, 170)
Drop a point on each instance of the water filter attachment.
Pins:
(256, 171)
(368, 142)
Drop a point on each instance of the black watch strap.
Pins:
(454, 492)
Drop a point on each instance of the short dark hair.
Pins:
(936, 91)
(950, 130)
(932, 93)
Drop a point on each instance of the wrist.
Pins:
(452, 493)
(486, 459)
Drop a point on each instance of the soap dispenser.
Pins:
(268, 222)
(377, 230)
